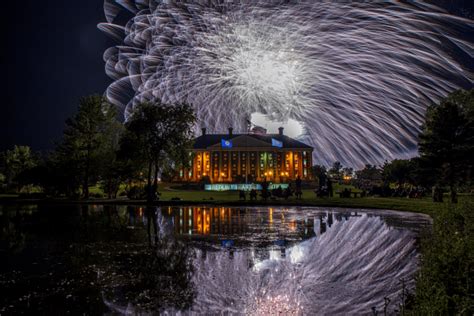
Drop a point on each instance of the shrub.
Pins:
(136, 193)
(444, 285)
(97, 195)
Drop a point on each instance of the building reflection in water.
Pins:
(226, 225)
(267, 232)
(275, 227)
(210, 221)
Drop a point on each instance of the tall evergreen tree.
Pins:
(90, 138)
(447, 140)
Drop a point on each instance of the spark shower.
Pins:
(357, 77)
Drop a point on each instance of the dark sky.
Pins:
(52, 55)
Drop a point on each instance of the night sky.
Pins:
(51, 56)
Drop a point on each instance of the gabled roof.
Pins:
(209, 141)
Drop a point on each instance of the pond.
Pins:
(108, 259)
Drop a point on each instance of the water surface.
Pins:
(131, 259)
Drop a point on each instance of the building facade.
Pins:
(248, 158)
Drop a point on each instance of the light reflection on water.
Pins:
(298, 260)
(255, 261)
(347, 263)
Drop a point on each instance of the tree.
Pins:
(399, 171)
(119, 170)
(320, 173)
(158, 137)
(446, 143)
(368, 177)
(335, 171)
(90, 139)
(3, 183)
(16, 161)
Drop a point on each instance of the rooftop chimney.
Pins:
(203, 131)
(230, 131)
(280, 131)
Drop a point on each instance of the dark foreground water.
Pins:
(204, 260)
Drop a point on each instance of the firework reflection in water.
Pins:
(348, 269)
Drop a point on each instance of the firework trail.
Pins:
(356, 76)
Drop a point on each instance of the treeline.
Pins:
(445, 162)
(97, 148)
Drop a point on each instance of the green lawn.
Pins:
(424, 205)
(8, 195)
(199, 195)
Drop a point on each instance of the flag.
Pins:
(227, 243)
(226, 143)
(277, 143)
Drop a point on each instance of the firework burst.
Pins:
(357, 76)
